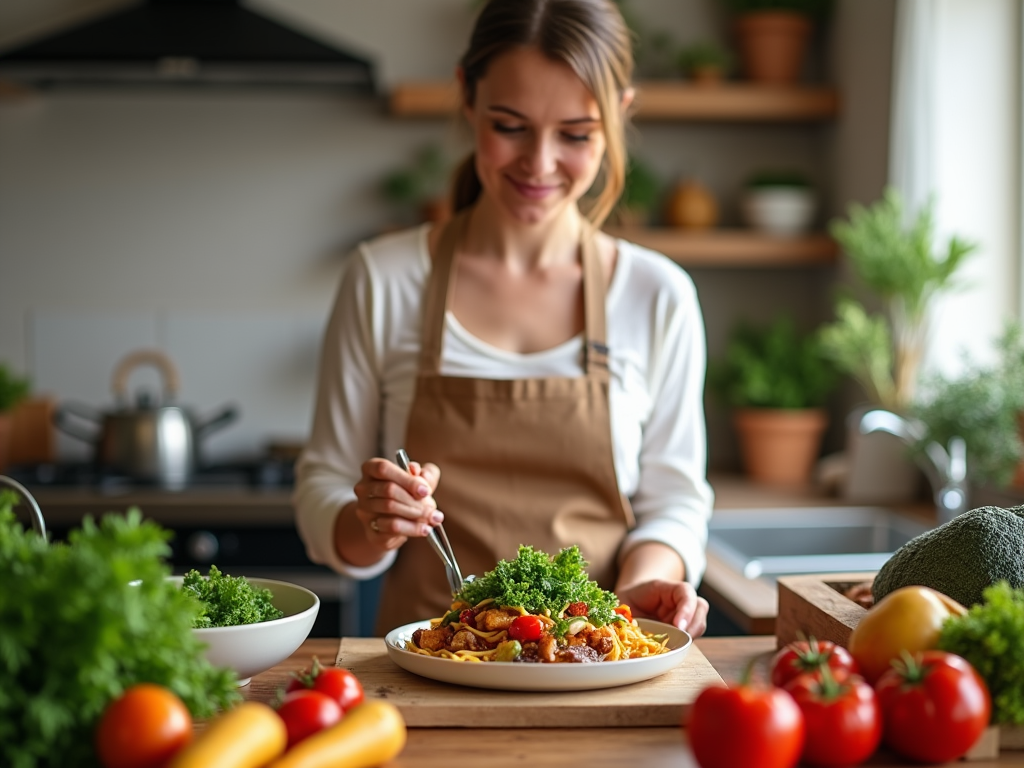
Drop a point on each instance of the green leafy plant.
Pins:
(81, 622)
(705, 55)
(983, 406)
(640, 191)
(772, 367)
(902, 266)
(424, 179)
(991, 637)
(13, 389)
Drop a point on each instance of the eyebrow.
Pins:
(521, 116)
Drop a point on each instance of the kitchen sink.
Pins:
(772, 542)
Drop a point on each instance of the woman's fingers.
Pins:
(396, 504)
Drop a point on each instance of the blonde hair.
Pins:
(589, 36)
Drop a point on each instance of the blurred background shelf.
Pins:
(733, 247)
(662, 100)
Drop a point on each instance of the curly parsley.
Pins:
(228, 600)
(81, 622)
(991, 636)
(537, 582)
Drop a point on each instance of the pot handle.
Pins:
(153, 357)
(63, 420)
(225, 416)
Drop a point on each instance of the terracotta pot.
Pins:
(772, 45)
(707, 76)
(691, 206)
(779, 446)
(5, 438)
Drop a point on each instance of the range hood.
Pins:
(202, 42)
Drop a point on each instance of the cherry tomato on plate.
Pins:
(748, 726)
(340, 684)
(842, 721)
(143, 728)
(307, 711)
(934, 706)
(803, 656)
(526, 629)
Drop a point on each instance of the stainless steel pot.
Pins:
(146, 441)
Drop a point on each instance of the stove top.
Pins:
(259, 473)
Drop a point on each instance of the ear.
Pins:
(627, 99)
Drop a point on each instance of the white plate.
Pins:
(509, 676)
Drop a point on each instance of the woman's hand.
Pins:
(394, 505)
(670, 602)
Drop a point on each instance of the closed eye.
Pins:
(505, 128)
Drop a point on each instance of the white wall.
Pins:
(213, 224)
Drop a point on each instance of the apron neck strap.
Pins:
(441, 289)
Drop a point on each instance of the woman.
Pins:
(541, 370)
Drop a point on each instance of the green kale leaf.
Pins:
(539, 583)
(82, 621)
(991, 637)
(228, 600)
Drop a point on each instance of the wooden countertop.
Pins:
(547, 747)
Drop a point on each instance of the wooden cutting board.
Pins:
(425, 703)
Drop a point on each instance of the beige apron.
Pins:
(525, 461)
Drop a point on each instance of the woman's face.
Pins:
(539, 138)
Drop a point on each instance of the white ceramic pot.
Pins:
(779, 210)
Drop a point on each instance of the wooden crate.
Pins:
(816, 606)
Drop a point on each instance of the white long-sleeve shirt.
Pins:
(368, 369)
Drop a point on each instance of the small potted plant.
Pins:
(779, 202)
(773, 36)
(13, 390)
(421, 186)
(640, 193)
(705, 63)
(776, 381)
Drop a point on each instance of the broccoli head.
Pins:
(960, 558)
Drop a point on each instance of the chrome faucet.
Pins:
(945, 468)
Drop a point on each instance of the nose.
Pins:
(541, 156)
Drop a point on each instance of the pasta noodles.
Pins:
(494, 627)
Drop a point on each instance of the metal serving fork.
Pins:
(439, 541)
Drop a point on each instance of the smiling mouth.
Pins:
(532, 191)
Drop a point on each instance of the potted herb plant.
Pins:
(776, 380)
(773, 36)
(13, 390)
(640, 192)
(705, 63)
(779, 202)
(422, 185)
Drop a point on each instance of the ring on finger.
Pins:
(373, 526)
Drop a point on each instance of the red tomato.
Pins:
(340, 684)
(143, 728)
(307, 711)
(625, 612)
(934, 706)
(841, 717)
(745, 726)
(805, 656)
(526, 629)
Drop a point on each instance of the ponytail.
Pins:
(466, 186)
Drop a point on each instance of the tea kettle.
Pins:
(153, 442)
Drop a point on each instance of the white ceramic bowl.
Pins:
(253, 648)
(779, 210)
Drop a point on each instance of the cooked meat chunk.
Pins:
(601, 641)
(576, 654)
(546, 648)
(496, 618)
(432, 639)
(464, 640)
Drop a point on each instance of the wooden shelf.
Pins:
(662, 100)
(734, 247)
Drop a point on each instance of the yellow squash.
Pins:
(370, 734)
(908, 619)
(248, 736)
